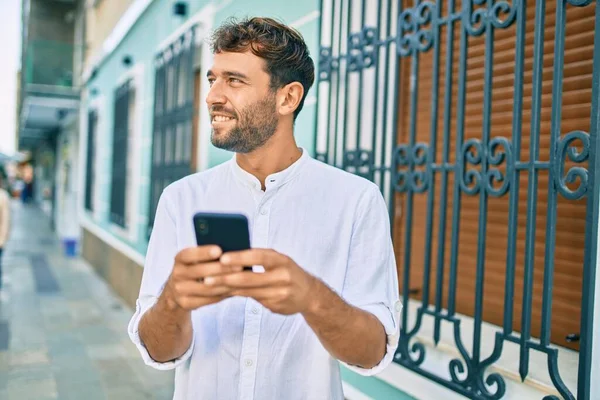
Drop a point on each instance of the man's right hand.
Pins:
(185, 289)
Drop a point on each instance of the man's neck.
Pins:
(274, 156)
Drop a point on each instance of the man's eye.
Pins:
(211, 81)
(235, 80)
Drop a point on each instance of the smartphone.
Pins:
(228, 231)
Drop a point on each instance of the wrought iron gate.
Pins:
(364, 47)
(173, 114)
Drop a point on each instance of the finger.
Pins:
(244, 280)
(194, 302)
(262, 294)
(194, 288)
(266, 257)
(194, 255)
(203, 270)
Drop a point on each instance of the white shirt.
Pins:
(333, 224)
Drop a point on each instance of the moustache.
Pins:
(222, 110)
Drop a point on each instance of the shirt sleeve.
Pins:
(371, 282)
(158, 265)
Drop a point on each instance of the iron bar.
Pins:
(536, 98)
(431, 159)
(361, 71)
(445, 160)
(552, 195)
(318, 81)
(516, 175)
(483, 199)
(346, 63)
(395, 103)
(378, 47)
(336, 68)
(414, 90)
(460, 131)
(589, 354)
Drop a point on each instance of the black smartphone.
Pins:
(228, 231)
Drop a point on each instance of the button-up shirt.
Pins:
(333, 224)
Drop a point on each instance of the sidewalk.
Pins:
(63, 332)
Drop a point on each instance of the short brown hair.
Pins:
(283, 49)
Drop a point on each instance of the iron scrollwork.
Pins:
(359, 162)
(411, 37)
(362, 49)
(497, 152)
(474, 381)
(415, 180)
(326, 64)
(476, 21)
(564, 150)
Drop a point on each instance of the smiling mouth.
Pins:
(221, 118)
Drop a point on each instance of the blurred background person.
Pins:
(4, 221)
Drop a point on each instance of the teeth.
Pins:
(221, 118)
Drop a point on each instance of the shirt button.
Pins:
(263, 211)
(255, 310)
(249, 363)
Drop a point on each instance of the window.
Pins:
(90, 171)
(121, 164)
(176, 102)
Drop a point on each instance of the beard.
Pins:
(255, 125)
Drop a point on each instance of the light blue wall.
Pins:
(141, 43)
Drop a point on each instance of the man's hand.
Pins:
(283, 288)
(350, 334)
(166, 329)
(186, 287)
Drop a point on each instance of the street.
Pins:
(63, 332)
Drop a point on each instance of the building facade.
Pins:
(48, 106)
(478, 120)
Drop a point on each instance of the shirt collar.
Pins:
(273, 180)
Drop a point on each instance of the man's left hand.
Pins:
(284, 287)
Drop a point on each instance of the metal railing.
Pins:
(352, 133)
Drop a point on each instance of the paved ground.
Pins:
(63, 332)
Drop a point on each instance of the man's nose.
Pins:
(215, 95)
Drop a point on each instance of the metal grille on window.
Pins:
(173, 115)
(119, 156)
(90, 173)
(478, 121)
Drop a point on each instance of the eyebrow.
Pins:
(230, 74)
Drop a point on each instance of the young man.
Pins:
(329, 291)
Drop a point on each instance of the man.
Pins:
(4, 222)
(329, 291)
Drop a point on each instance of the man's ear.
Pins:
(289, 98)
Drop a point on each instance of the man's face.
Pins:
(241, 104)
